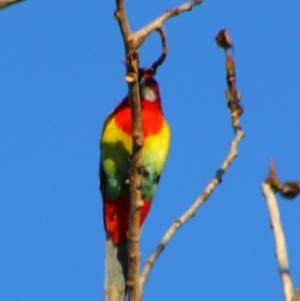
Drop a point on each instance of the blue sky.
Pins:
(61, 73)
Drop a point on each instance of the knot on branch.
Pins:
(288, 190)
(131, 77)
(138, 141)
(116, 15)
(134, 240)
(219, 175)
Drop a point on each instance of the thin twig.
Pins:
(141, 35)
(161, 59)
(281, 251)
(192, 210)
(233, 97)
(5, 3)
(164, 51)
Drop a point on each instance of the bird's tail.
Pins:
(116, 271)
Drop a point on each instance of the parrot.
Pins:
(116, 149)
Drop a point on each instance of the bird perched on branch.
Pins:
(116, 149)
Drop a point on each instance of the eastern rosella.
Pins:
(116, 148)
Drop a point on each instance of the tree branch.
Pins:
(132, 43)
(141, 35)
(296, 297)
(233, 97)
(136, 203)
(191, 212)
(5, 3)
(164, 52)
(120, 15)
(281, 251)
(153, 69)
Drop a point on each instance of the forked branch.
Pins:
(232, 91)
(132, 42)
(141, 35)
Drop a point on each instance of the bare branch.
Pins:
(162, 57)
(141, 35)
(164, 52)
(297, 295)
(236, 111)
(5, 3)
(233, 97)
(193, 209)
(281, 251)
(136, 203)
(120, 15)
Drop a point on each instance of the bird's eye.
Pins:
(152, 83)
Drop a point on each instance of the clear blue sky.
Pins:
(61, 73)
